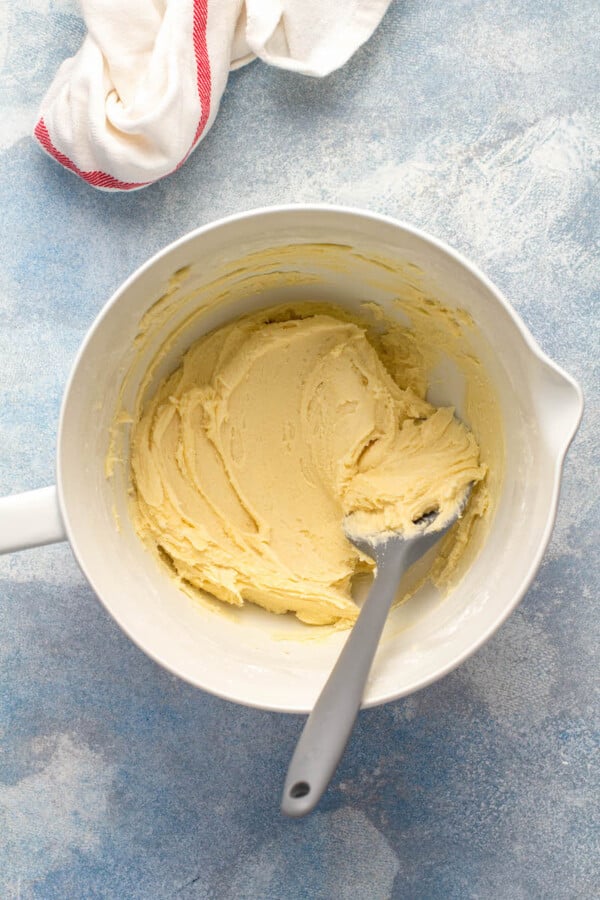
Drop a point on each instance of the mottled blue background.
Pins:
(476, 121)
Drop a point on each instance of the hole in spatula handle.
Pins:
(300, 789)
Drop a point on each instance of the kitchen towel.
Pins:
(145, 86)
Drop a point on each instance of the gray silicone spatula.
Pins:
(328, 727)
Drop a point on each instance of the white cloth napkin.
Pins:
(145, 86)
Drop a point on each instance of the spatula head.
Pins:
(381, 544)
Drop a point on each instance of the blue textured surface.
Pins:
(480, 123)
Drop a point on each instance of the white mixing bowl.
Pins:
(250, 656)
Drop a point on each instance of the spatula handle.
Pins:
(328, 727)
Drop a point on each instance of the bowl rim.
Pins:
(237, 695)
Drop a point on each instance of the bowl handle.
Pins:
(30, 520)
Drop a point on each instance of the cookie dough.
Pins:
(273, 429)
